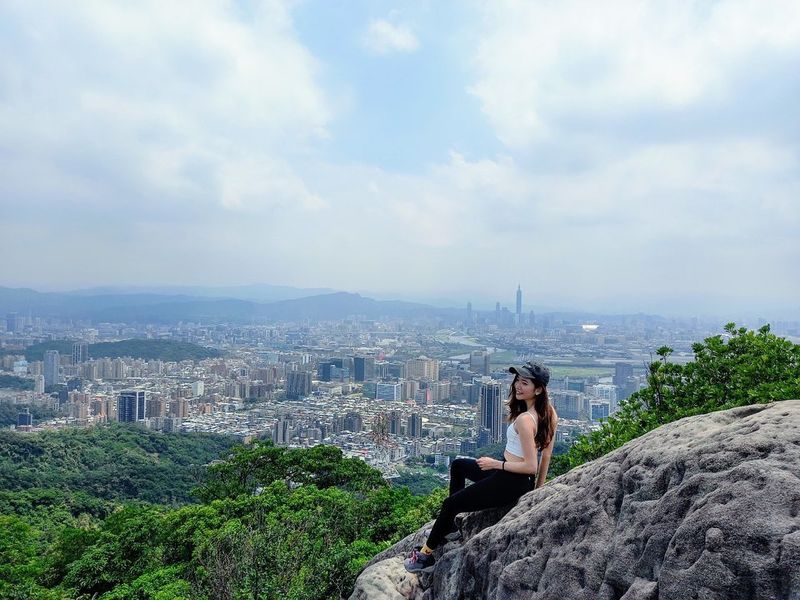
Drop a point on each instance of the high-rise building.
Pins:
(600, 409)
(469, 314)
(52, 362)
(179, 408)
(363, 368)
(325, 369)
(25, 421)
(490, 410)
(283, 431)
(353, 422)
(571, 404)
(414, 425)
(479, 362)
(395, 422)
(298, 385)
(607, 392)
(388, 391)
(422, 368)
(156, 407)
(519, 305)
(38, 385)
(118, 369)
(14, 323)
(131, 406)
(198, 388)
(623, 379)
(622, 372)
(80, 353)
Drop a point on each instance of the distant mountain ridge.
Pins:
(257, 292)
(155, 308)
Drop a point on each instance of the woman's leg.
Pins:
(498, 489)
(462, 469)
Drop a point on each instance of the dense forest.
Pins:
(167, 350)
(266, 522)
(113, 513)
(114, 462)
(9, 412)
(15, 383)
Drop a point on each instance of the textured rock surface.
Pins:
(707, 508)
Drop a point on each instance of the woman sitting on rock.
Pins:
(499, 482)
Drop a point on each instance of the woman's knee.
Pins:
(459, 465)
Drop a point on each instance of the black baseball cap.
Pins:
(532, 370)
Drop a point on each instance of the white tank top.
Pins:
(513, 444)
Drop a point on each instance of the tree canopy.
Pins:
(737, 368)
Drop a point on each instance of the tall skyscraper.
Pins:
(80, 353)
(490, 410)
(283, 430)
(469, 313)
(363, 368)
(131, 406)
(52, 362)
(519, 304)
(395, 422)
(298, 385)
(414, 425)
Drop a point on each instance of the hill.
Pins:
(167, 350)
(157, 308)
(113, 462)
(273, 523)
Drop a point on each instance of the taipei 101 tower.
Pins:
(519, 305)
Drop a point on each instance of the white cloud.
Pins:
(161, 101)
(538, 64)
(195, 146)
(383, 37)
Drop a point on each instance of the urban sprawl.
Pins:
(390, 392)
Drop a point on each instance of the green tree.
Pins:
(738, 368)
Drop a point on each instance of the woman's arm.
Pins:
(526, 427)
(541, 475)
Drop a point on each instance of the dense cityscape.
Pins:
(389, 391)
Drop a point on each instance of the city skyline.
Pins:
(480, 302)
(623, 158)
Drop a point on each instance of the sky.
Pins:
(615, 156)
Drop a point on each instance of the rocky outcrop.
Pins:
(706, 508)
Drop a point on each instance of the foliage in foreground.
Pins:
(736, 369)
(273, 523)
(114, 462)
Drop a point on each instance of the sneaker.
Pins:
(417, 562)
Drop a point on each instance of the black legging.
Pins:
(492, 488)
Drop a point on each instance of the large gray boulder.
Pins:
(706, 508)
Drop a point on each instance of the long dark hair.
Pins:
(541, 404)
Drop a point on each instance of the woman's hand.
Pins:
(487, 464)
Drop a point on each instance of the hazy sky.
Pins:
(605, 155)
